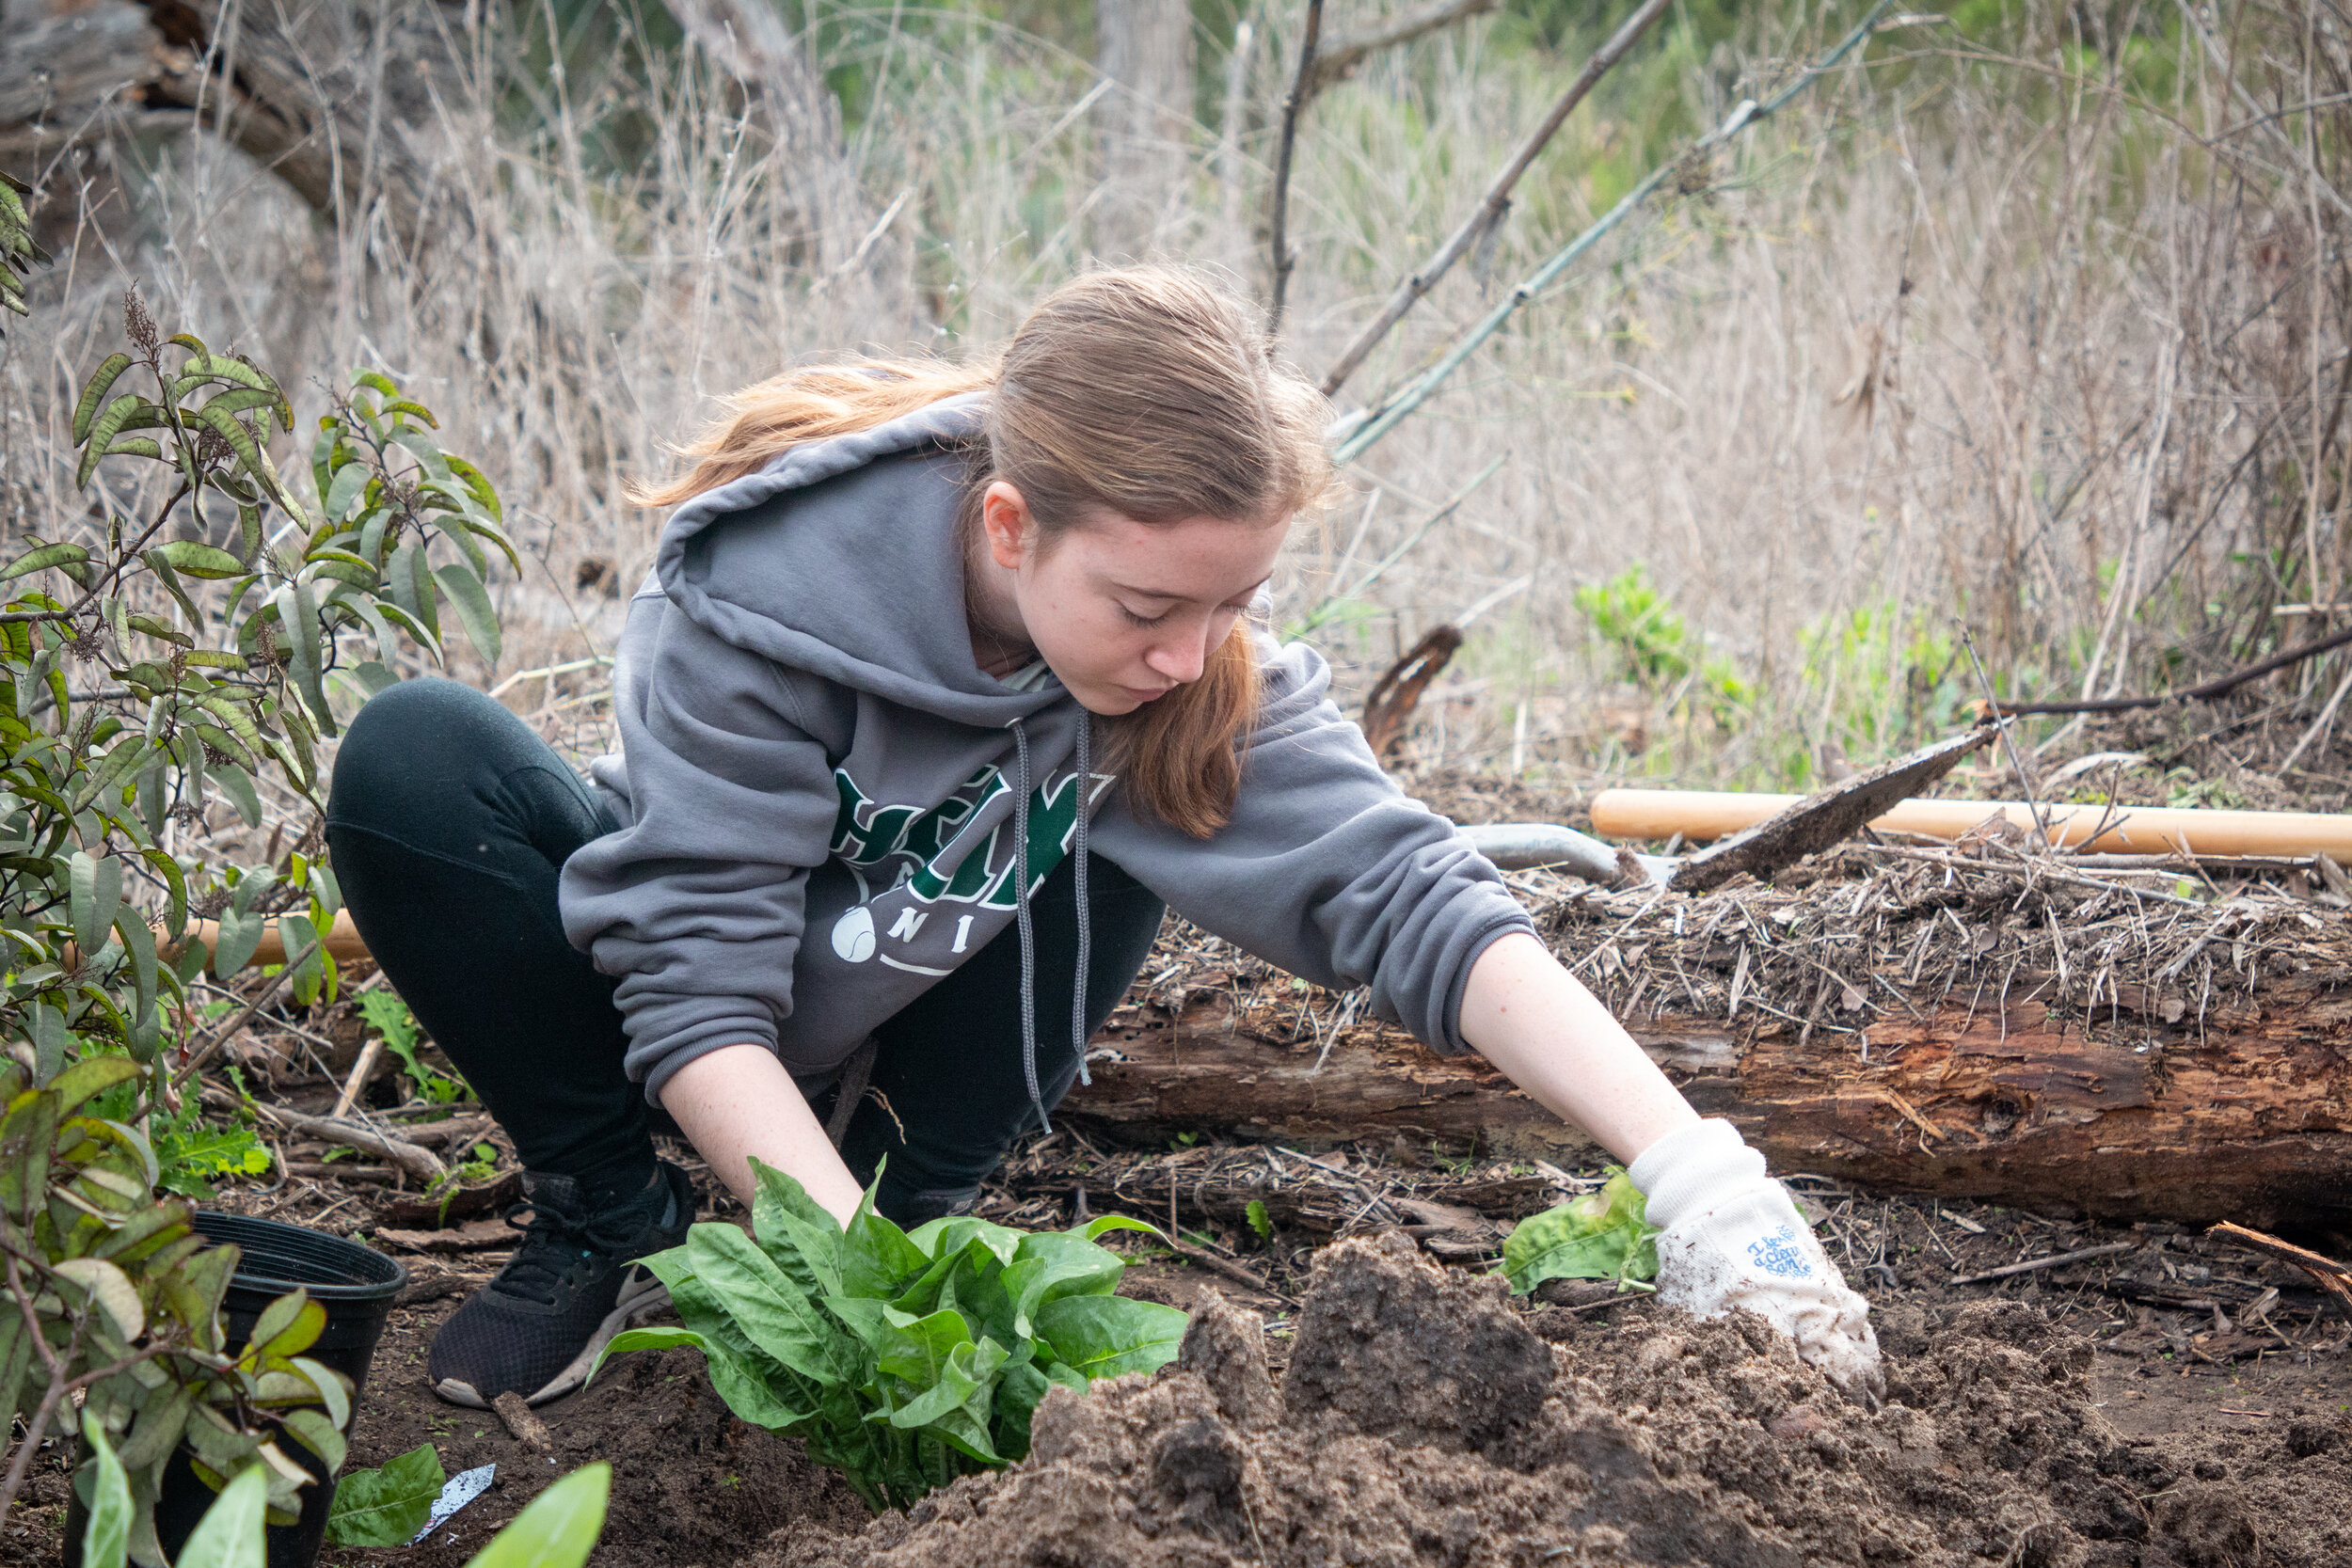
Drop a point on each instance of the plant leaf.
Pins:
(41, 558)
(472, 603)
(1111, 1335)
(94, 894)
(798, 1235)
(386, 1506)
(229, 1534)
(111, 1290)
(101, 380)
(560, 1527)
(1602, 1235)
(102, 431)
(107, 1536)
(196, 558)
(772, 1314)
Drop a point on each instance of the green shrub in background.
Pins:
(1658, 650)
(152, 665)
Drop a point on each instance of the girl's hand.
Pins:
(1732, 1237)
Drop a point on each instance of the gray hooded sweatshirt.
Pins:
(818, 788)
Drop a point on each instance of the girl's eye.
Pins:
(1145, 620)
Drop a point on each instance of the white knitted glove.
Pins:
(1732, 1237)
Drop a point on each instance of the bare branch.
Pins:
(1338, 59)
(1292, 108)
(1497, 201)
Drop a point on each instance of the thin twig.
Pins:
(369, 1055)
(1495, 204)
(2032, 1264)
(1356, 436)
(2205, 692)
(222, 1035)
(1292, 107)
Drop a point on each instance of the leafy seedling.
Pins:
(1602, 1235)
(393, 1020)
(902, 1358)
(1255, 1213)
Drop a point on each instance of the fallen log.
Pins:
(2245, 1115)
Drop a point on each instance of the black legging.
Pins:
(449, 820)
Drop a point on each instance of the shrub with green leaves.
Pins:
(1602, 1235)
(902, 1358)
(117, 1300)
(557, 1529)
(181, 647)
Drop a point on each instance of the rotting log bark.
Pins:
(2249, 1118)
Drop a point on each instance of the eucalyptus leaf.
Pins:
(106, 1538)
(229, 1534)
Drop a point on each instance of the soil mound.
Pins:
(1423, 1420)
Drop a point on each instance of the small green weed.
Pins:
(391, 1019)
(189, 1154)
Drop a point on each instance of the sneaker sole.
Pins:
(641, 1295)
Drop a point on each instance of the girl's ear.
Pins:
(1004, 520)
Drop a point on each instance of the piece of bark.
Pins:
(433, 1211)
(2244, 1117)
(528, 1430)
(480, 1236)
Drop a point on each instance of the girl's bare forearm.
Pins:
(1544, 1032)
(738, 1103)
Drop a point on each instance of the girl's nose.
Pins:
(1181, 660)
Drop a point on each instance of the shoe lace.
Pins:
(557, 1248)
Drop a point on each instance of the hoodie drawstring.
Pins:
(1084, 784)
(1086, 924)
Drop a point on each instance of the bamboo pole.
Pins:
(1701, 815)
(343, 943)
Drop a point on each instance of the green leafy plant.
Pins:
(388, 1505)
(397, 1027)
(181, 644)
(558, 1530)
(190, 1151)
(17, 250)
(1255, 1213)
(1602, 1235)
(902, 1358)
(117, 1300)
(1657, 647)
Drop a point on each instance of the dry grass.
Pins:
(2053, 355)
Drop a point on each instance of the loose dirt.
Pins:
(1395, 1412)
(1422, 1420)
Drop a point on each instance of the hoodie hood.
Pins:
(841, 558)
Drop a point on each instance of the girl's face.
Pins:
(1122, 611)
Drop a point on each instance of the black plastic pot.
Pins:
(357, 1285)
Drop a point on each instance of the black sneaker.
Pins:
(571, 1286)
